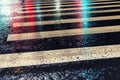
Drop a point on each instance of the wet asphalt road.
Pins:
(53, 16)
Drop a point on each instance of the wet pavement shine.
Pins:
(60, 40)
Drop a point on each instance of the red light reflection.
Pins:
(23, 29)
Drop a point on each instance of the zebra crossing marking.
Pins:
(45, 15)
(91, 7)
(74, 4)
(59, 33)
(59, 56)
(60, 21)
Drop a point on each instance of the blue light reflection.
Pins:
(85, 13)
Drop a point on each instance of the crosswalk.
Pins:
(61, 31)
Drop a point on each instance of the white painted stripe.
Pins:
(65, 5)
(60, 21)
(46, 15)
(45, 4)
(53, 3)
(92, 7)
(105, 6)
(21, 12)
(61, 14)
(65, 2)
(59, 56)
(60, 33)
(76, 2)
(21, 24)
(102, 2)
(44, 7)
